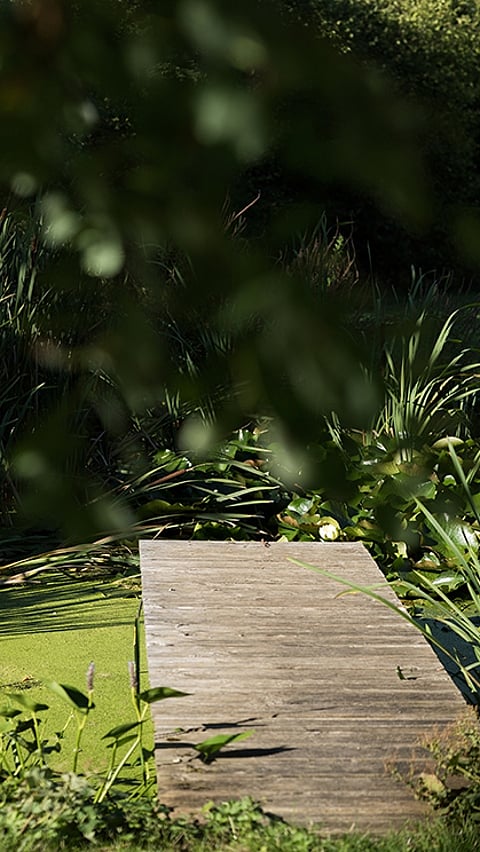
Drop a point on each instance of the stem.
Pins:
(140, 714)
(17, 759)
(36, 733)
(136, 644)
(81, 722)
(142, 758)
(111, 780)
(76, 750)
(112, 759)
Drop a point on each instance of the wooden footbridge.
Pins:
(335, 687)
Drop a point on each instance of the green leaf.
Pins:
(157, 508)
(9, 713)
(208, 749)
(428, 561)
(120, 730)
(450, 480)
(121, 741)
(287, 533)
(427, 490)
(159, 693)
(71, 695)
(445, 443)
(459, 532)
(449, 580)
(27, 703)
(301, 505)
(365, 532)
(432, 784)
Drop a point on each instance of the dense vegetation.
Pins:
(429, 51)
(213, 316)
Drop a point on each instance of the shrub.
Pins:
(430, 51)
(41, 811)
(453, 783)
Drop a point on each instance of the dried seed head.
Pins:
(90, 674)
(133, 674)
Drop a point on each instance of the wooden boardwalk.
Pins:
(266, 645)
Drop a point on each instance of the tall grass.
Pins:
(325, 258)
(20, 381)
(429, 391)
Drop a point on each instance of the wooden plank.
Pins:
(264, 644)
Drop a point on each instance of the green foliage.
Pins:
(418, 518)
(430, 50)
(25, 745)
(406, 486)
(231, 494)
(325, 258)
(136, 328)
(428, 387)
(39, 815)
(454, 784)
(127, 143)
(20, 390)
(42, 811)
(426, 531)
(136, 252)
(434, 50)
(209, 749)
(373, 485)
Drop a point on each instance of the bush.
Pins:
(430, 51)
(42, 811)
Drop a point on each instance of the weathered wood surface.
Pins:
(264, 644)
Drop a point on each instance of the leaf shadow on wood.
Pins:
(229, 752)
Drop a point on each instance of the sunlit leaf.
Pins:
(121, 741)
(71, 695)
(208, 749)
(458, 532)
(27, 703)
(159, 693)
(300, 506)
(120, 730)
(9, 712)
(450, 580)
